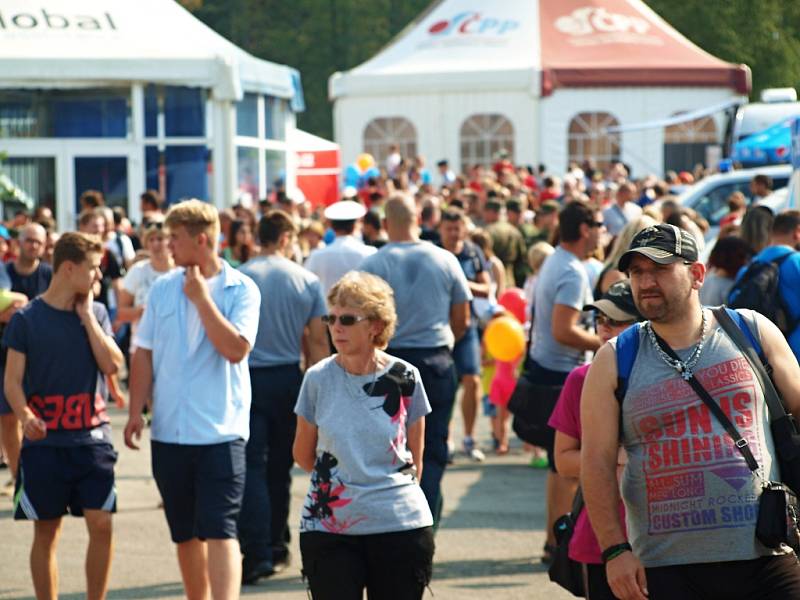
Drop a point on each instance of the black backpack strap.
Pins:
(577, 503)
(741, 443)
(775, 405)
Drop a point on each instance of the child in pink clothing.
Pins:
(500, 390)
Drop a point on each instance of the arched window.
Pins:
(588, 138)
(381, 133)
(483, 137)
(685, 143)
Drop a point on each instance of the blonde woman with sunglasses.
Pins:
(360, 432)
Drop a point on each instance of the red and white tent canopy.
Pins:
(538, 45)
(318, 167)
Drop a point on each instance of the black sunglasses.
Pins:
(603, 320)
(596, 223)
(345, 320)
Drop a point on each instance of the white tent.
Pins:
(543, 79)
(118, 44)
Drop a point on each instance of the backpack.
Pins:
(758, 290)
(628, 347)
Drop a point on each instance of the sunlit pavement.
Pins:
(487, 547)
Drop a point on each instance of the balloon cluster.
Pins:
(504, 336)
(357, 173)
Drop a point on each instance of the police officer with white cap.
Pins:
(346, 252)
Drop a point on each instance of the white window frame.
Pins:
(261, 143)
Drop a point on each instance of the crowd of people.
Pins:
(256, 337)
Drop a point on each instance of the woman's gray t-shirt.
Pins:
(363, 481)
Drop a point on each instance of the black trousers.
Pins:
(391, 566)
(765, 578)
(263, 521)
(595, 583)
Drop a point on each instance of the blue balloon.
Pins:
(351, 176)
(371, 172)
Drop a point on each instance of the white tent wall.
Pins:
(89, 45)
(642, 150)
(437, 119)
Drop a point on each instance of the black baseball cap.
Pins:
(663, 244)
(617, 303)
(514, 205)
(494, 204)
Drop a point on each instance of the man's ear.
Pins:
(698, 271)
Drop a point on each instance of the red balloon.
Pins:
(513, 300)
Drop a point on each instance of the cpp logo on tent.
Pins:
(473, 23)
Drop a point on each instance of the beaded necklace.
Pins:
(684, 368)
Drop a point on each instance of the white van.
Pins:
(776, 104)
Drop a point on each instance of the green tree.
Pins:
(317, 37)
(763, 34)
(320, 37)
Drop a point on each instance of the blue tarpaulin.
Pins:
(771, 146)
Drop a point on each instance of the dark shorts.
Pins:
(467, 353)
(202, 488)
(54, 480)
(389, 565)
(765, 578)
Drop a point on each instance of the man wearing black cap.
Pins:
(691, 500)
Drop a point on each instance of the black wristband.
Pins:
(614, 551)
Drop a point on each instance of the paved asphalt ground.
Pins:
(488, 546)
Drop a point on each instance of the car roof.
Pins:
(737, 175)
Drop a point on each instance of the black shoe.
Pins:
(251, 574)
(281, 561)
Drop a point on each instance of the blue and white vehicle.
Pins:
(709, 196)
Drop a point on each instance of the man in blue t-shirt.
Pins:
(432, 298)
(60, 347)
(467, 351)
(291, 303)
(784, 238)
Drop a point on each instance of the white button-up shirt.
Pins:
(199, 397)
(346, 253)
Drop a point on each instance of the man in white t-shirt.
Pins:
(347, 252)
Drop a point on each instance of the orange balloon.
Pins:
(505, 338)
(365, 161)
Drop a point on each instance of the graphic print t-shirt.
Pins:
(62, 382)
(363, 481)
(689, 495)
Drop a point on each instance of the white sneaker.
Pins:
(477, 455)
(7, 490)
(472, 451)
